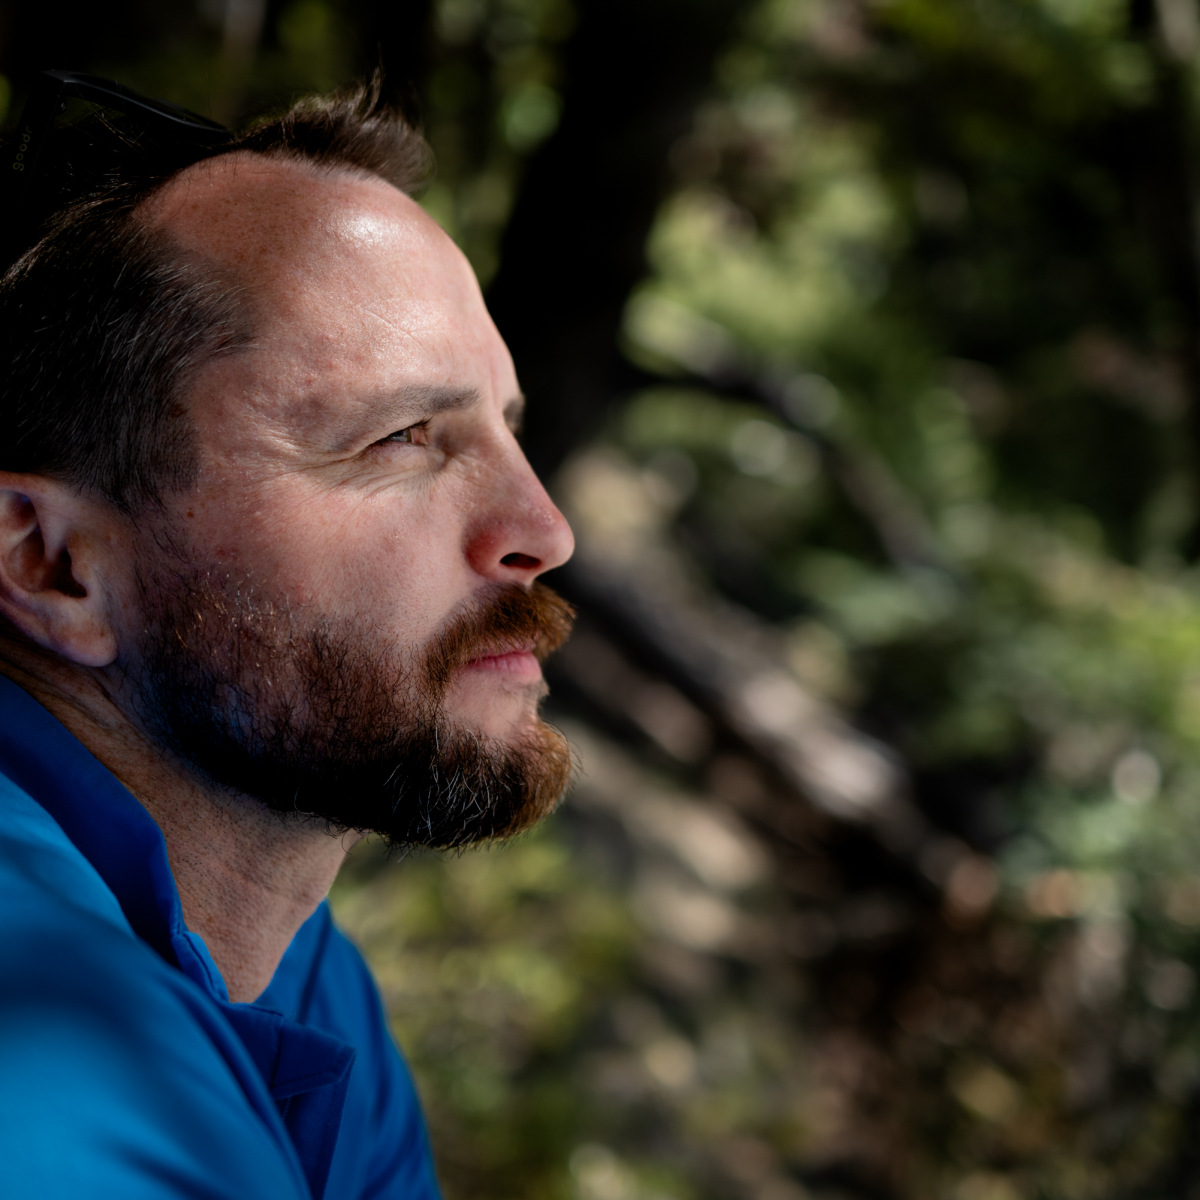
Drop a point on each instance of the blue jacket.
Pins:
(125, 1071)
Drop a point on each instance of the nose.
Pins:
(519, 531)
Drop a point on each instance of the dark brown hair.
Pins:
(103, 322)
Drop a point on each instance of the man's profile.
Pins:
(269, 553)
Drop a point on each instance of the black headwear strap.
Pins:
(52, 163)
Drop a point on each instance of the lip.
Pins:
(519, 664)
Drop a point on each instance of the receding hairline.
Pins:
(158, 208)
(237, 215)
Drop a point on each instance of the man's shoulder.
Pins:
(101, 1037)
(41, 870)
(61, 927)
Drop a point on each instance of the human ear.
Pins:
(50, 582)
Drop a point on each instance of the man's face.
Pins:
(344, 599)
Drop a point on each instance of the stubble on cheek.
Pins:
(323, 716)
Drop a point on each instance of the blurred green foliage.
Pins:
(935, 233)
(493, 963)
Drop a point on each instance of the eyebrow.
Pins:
(415, 404)
(398, 410)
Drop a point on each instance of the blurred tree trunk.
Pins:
(574, 248)
(1169, 29)
(395, 35)
(39, 37)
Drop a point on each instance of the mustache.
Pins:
(510, 619)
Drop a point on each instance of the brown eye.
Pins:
(409, 436)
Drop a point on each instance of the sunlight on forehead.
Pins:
(274, 217)
(368, 228)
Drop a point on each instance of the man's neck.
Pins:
(247, 878)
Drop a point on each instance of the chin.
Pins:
(508, 728)
(501, 713)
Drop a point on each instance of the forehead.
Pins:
(353, 285)
(266, 217)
